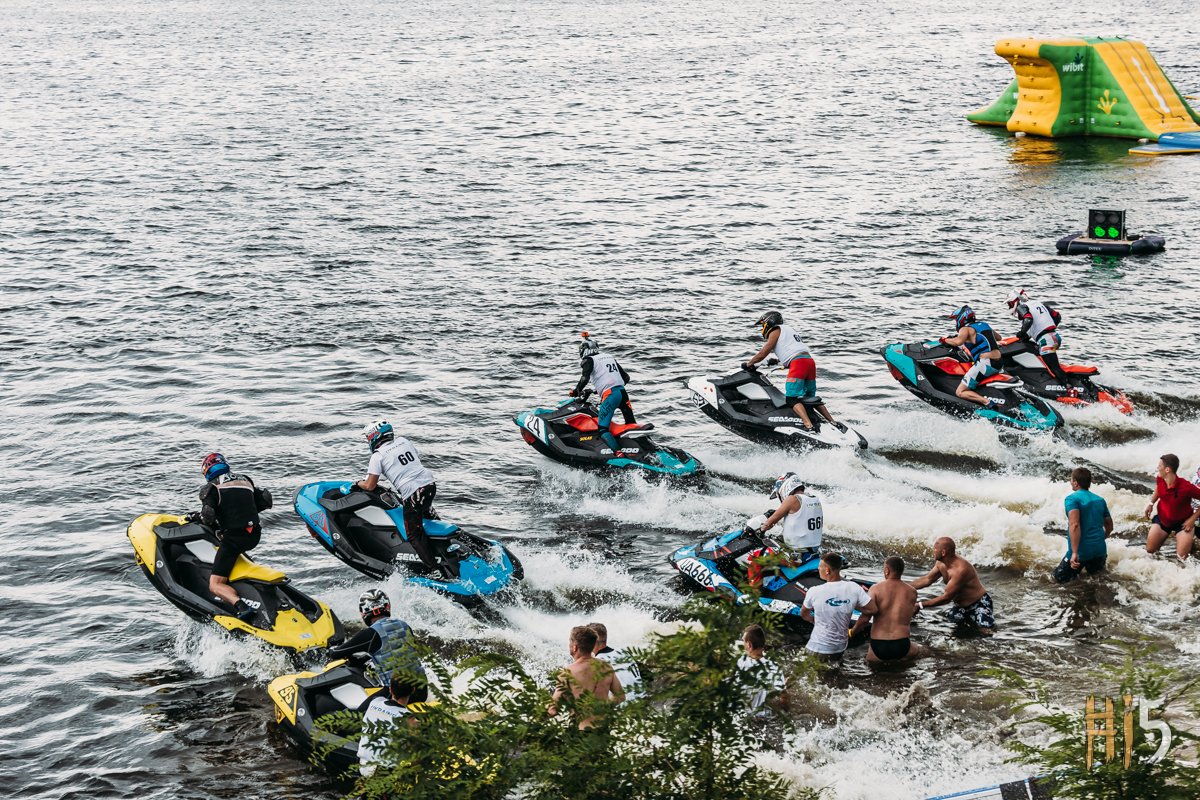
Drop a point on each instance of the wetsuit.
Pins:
(231, 503)
(609, 379)
(1039, 325)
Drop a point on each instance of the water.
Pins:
(252, 228)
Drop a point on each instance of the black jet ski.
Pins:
(932, 371)
(366, 531)
(177, 556)
(569, 434)
(1020, 359)
(745, 402)
(718, 565)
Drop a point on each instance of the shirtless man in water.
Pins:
(891, 625)
(972, 603)
(587, 674)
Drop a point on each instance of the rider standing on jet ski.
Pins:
(608, 379)
(791, 351)
(385, 640)
(979, 341)
(398, 460)
(231, 503)
(1039, 327)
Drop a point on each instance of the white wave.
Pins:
(211, 651)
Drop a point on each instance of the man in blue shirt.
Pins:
(1089, 523)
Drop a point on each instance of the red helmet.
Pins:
(213, 465)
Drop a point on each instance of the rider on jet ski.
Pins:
(1039, 326)
(791, 351)
(230, 504)
(608, 379)
(979, 341)
(384, 639)
(399, 462)
(803, 523)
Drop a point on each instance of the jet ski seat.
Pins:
(350, 695)
(1081, 369)
(997, 378)
(812, 400)
(634, 429)
(243, 569)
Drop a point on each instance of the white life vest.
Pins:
(381, 708)
(606, 375)
(1043, 320)
(804, 528)
(398, 462)
(789, 345)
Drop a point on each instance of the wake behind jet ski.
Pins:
(746, 402)
(176, 554)
(1022, 362)
(367, 531)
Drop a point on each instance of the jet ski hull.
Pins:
(748, 404)
(1021, 362)
(361, 531)
(933, 371)
(176, 557)
(713, 566)
(570, 435)
(303, 698)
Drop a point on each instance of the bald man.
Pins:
(972, 604)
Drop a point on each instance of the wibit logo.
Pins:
(1106, 103)
(1074, 66)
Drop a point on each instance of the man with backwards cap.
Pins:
(230, 504)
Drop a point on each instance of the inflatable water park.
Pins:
(1101, 86)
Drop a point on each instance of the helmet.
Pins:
(787, 485)
(769, 321)
(213, 465)
(587, 347)
(377, 433)
(374, 603)
(1015, 298)
(962, 315)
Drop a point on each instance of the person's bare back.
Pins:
(586, 674)
(891, 625)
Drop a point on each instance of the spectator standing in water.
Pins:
(891, 625)
(971, 604)
(830, 608)
(1175, 513)
(1088, 524)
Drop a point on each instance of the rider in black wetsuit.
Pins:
(385, 641)
(231, 503)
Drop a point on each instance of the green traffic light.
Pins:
(1114, 233)
(1099, 232)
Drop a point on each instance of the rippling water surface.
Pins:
(252, 227)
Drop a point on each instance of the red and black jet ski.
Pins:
(1020, 359)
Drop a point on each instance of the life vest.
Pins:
(985, 340)
(1043, 320)
(789, 346)
(395, 651)
(236, 508)
(606, 374)
(397, 461)
(804, 528)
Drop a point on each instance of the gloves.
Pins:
(942, 339)
(572, 393)
(771, 362)
(746, 365)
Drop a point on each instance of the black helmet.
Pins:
(587, 347)
(769, 321)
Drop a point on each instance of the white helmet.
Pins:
(1015, 298)
(376, 433)
(787, 485)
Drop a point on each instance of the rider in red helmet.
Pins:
(231, 503)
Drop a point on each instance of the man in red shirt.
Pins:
(1174, 496)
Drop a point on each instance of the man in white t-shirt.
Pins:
(390, 705)
(830, 608)
(396, 458)
(754, 639)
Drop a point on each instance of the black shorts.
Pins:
(891, 649)
(1065, 573)
(232, 547)
(1171, 529)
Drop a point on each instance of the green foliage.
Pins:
(682, 739)
(1066, 757)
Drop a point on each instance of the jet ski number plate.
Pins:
(697, 572)
(536, 426)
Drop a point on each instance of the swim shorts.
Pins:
(1173, 528)
(1048, 343)
(891, 649)
(232, 546)
(802, 378)
(978, 613)
(1065, 573)
(982, 369)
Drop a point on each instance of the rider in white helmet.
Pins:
(396, 457)
(803, 524)
(1039, 328)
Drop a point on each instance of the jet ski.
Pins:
(177, 556)
(718, 565)
(570, 434)
(1021, 362)
(745, 402)
(303, 698)
(933, 371)
(366, 530)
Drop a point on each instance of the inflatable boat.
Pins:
(1135, 245)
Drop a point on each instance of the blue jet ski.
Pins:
(570, 434)
(366, 530)
(718, 565)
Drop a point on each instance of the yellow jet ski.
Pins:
(177, 556)
(304, 697)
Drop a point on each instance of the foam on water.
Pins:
(211, 651)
